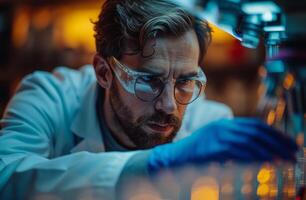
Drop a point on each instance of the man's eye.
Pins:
(150, 79)
(146, 78)
(185, 81)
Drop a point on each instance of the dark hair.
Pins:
(124, 26)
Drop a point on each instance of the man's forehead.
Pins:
(161, 66)
(185, 46)
(180, 54)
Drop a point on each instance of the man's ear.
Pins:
(103, 71)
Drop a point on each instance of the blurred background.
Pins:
(44, 34)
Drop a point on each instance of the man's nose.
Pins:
(166, 101)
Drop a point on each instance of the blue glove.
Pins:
(239, 140)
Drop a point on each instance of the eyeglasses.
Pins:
(148, 87)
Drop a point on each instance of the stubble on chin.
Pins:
(135, 130)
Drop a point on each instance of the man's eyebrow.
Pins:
(150, 71)
(188, 75)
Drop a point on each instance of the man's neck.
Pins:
(113, 124)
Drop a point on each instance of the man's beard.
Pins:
(134, 130)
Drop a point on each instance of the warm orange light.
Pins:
(74, 28)
(220, 36)
(205, 188)
(288, 81)
(273, 191)
(263, 190)
(21, 26)
(300, 139)
(42, 18)
(70, 24)
(280, 109)
(271, 117)
(261, 90)
(291, 191)
(264, 175)
(262, 72)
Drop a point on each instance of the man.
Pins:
(68, 131)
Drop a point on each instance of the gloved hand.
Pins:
(238, 139)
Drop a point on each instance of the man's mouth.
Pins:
(164, 128)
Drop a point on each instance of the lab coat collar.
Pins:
(86, 124)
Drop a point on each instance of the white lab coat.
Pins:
(38, 147)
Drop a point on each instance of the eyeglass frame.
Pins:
(134, 75)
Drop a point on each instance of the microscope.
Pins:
(281, 25)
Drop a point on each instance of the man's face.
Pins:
(147, 124)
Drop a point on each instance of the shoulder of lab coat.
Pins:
(200, 113)
(37, 144)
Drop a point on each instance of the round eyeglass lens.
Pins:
(147, 89)
(187, 91)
